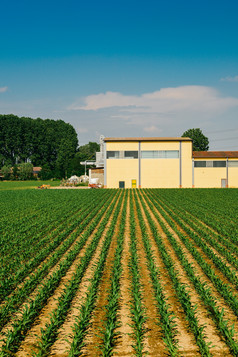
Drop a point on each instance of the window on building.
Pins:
(160, 154)
(233, 163)
(131, 154)
(199, 163)
(171, 154)
(146, 154)
(112, 154)
(210, 163)
(219, 163)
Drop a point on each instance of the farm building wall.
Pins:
(161, 172)
(166, 163)
(148, 164)
(209, 177)
(215, 172)
(233, 173)
(122, 170)
(186, 162)
(97, 173)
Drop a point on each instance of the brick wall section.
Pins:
(98, 173)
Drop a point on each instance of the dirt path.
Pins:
(125, 340)
(213, 336)
(153, 341)
(93, 338)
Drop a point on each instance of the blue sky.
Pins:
(123, 68)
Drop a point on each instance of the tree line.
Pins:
(49, 144)
(53, 146)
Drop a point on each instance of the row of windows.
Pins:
(210, 164)
(122, 154)
(145, 154)
(160, 154)
(215, 163)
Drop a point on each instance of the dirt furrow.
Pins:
(125, 340)
(153, 341)
(42, 263)
(184, 337)
(215, 291)
(210, 330)
(61, 347)
(29, 342)
(93, 338)
(206, 258)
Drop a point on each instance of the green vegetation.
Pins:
(22, 185)
(50, 144)
(200, 141)
(64, 254)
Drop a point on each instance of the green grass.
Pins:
(22, 185)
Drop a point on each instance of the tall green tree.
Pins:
(6, 171)
(25, 171)
(84, 152)
(42, 142)
(200, 141)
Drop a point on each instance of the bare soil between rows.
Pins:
(154, 344)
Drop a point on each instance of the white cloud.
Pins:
(3, 89)
(230, 79)
(152, 129)
(82, 130)
(166, 101)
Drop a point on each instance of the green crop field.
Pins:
(118, 272)
(23, 185)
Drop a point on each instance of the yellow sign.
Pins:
(133, 183)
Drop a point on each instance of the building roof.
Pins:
(215, 154)
(148, 139)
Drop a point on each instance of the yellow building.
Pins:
(166, 163)
(147, 162)
(215, 168)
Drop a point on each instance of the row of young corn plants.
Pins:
(19, 248)
(165, 316)
(182, 293)
(50, 332)
(223, 289)
(217, 203)
(108, 334)
(136, 306)
(48, 245)
(57, 237)
(30, 242)
(209, 236)
(202, 289)
(197, 219)
(83, 320)
(17, 298)
(21, 233)
(214, 207)
(21, 325)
